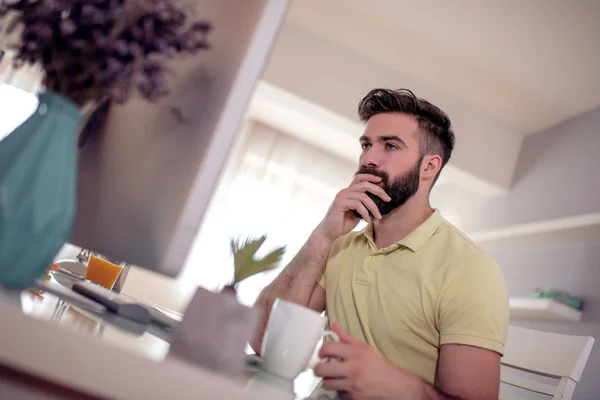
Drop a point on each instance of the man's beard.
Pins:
(400, 190)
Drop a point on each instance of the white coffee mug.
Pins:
(291, 338)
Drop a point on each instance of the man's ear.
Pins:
(432, 163)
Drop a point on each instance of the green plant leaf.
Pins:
(245, 262)
(244, 251)
(269, 262)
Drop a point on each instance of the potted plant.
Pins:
(91, 51)
(246, 263)
(216, 328)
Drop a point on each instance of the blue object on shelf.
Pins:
(559, 296)
(38, 179)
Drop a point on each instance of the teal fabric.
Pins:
(38, 178)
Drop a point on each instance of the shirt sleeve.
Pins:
(321, 277)
(335, 248)
(474, 306)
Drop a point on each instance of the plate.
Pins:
(65, 279)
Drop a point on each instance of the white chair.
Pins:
(531, 357)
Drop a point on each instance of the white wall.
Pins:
(336, 79)
(556, 177)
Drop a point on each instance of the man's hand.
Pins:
(361, 372)
(340, 218)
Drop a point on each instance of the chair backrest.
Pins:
(531, 357)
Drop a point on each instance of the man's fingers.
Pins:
(344, 336)
(366, 200)
(365, 177)
(340, 350)
(339, 384)
(371, 188)
(331, 369)
(359, 207)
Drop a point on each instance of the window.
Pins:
(16, 105)
(18, 89)
(275, 185)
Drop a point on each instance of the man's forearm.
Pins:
(420, 389)
(430, 392)
(296, 282)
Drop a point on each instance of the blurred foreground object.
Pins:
(88, 50)
(146, 181)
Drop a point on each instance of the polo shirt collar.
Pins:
(417, 238)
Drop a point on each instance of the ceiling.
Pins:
(530, 64)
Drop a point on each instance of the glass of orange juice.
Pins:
(102, 272)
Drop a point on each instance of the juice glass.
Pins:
(102, 272)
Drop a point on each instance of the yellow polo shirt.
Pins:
(433, 287)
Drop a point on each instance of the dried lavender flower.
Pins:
(93, 48)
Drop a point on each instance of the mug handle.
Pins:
(331, 335)
(326, 334)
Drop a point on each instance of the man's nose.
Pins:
(370, 158)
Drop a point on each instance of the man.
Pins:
(421, 311)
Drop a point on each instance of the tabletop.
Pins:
(150, 341)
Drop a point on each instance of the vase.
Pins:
(214, 332)
(38, 179)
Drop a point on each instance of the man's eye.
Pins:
(389, 146)
(365, 146)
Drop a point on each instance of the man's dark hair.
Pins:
(435, 126)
